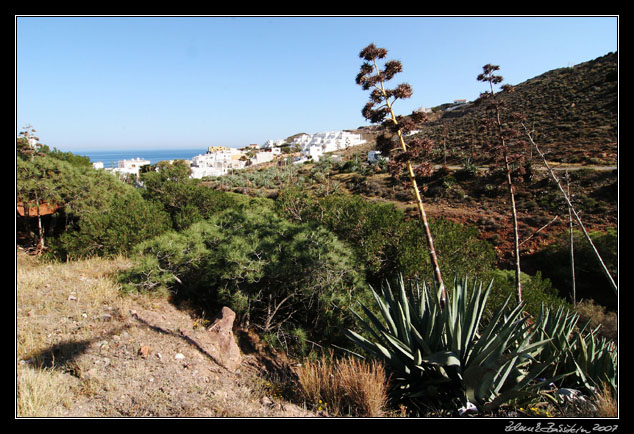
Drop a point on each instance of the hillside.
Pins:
(574, 113)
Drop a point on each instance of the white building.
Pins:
(130, 167)
(423, 110)
(315, 145)
(274, 146)
(263, 157)
(217, 161)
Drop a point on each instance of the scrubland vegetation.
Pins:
(342, 284)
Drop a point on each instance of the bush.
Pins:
(375, 231)
(126, 221)
(384, 241)
(459, 250)
(98, 214)
(185, 200)
(536, 291)
(277, 275)
(591, 283)
(596, 315)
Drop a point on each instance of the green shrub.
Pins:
(126, 220)
(98, 214)
(458, 247)
(277, 275)
(186, 200)
(384, 241)
(536, 291)
(373, 229)
(591, 283)
(295, 204)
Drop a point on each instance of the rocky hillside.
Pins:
(574, 113)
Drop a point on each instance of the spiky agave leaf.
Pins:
(425, 345)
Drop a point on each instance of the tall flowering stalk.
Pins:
(380, 110)
(503, 136)
(572, 211)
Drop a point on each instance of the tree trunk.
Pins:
(40, 229)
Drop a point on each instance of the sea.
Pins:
(110, 159)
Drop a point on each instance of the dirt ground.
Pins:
(132, 356)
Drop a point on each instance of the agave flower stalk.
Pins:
(503, 136)
(371, 76)
(572, 210)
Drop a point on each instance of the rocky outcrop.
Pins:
(217, 341)
(221, 334)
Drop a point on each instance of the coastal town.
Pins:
(221, 160)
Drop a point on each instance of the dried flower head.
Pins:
(371, 52)
(487, 74)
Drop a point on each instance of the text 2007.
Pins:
(606, 428)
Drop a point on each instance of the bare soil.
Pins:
(132, 356)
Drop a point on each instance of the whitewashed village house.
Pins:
(130, 167)
(218, 161)
(315, 145)
(274, 145)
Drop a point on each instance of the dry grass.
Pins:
(606, 403)
(52, 301)
(77, 352)
(42, 393)
(52, 298)
(346, 386)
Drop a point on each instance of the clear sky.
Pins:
(130, 82)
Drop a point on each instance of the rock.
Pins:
(470, 408)
(223, 321)
(144, 351)
(221, 332)
(575, 396)
(179, 356)
(105, 317)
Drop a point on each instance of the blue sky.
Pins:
(124, 82)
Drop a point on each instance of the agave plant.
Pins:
(440, 354)
(585, 359)
(559, 326)
(595, 360)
